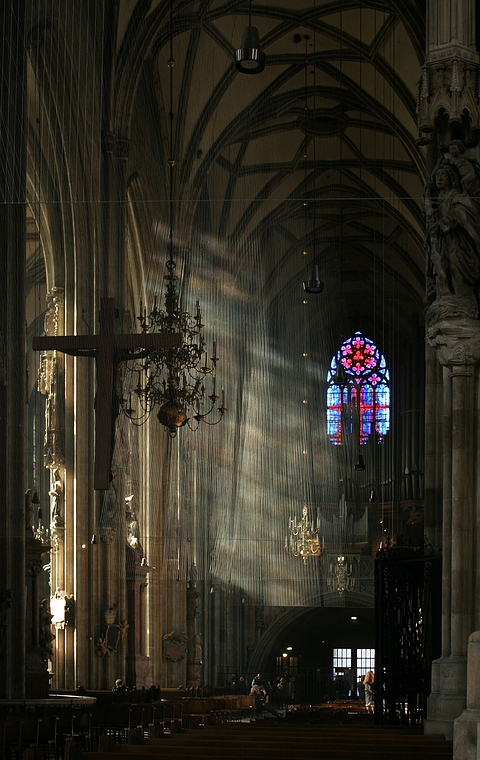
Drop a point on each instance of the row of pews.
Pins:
(272, 739)
(201, 728)
(167, 716)
(54, 729)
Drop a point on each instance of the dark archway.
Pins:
(312, 634)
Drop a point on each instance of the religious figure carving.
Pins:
(133, 531)
(468, 168)
(28, 513)
(55, 493)
(109, 512)
(452, 238)
(198, 648)
(46, 636)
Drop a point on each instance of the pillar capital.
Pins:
(456, 339)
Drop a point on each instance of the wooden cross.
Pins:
(110, 350)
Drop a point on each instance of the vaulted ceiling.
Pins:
(316, 154)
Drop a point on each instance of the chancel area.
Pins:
(239, 347)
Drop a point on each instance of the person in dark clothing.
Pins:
(242, 686)
(258, 692)
(119, 685)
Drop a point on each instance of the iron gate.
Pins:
(408, 621)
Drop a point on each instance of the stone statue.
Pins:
(198, 648)
(55, 496)
(28, 512)
(133, 532)
(46, 635)
(452, 237)
(468, 168)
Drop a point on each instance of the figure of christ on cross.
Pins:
(110, 350)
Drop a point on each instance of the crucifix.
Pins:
(109, 350)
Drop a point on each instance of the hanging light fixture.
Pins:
(313, 283)
(249, 58)
(303, 540)
(359, 464)
(341, 575)
(174, 379)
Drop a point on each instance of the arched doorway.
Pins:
(301, 645)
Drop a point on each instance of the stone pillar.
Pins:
(194, 661)
(454, 332)
(12, 348)
(37, 623)
(466, 734)
(138, 672)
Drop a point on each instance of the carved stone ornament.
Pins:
(451, 307)
(448, 86)
(175, 646)
(112, 634)
(107, 535)
(456, 341)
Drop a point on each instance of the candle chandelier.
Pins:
(341, 575)
(303, 540)
(174, 379)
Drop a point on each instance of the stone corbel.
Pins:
(455, 339)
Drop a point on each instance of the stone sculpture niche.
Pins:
(452, 241)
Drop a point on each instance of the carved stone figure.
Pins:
(133, 531)
(55, 499)
(110, 506)
(46, 635)
(453, 237)
(468, 168)
(28, 512)
(198, 648)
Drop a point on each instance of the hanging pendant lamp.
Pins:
(313, 284)
(249, 58)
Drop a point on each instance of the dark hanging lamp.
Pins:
(249, 58)
(359, 464)
(313, 284)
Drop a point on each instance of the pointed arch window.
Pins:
(358, 392)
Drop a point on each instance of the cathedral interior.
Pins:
(288, 189)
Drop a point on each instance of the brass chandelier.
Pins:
(174, 379)
(303, 540)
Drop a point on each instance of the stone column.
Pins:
(194, 661)
(466, 736)
(454, 333)
(137, 663)
(12, 348)
(38, 631)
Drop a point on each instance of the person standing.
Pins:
(369, 683)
